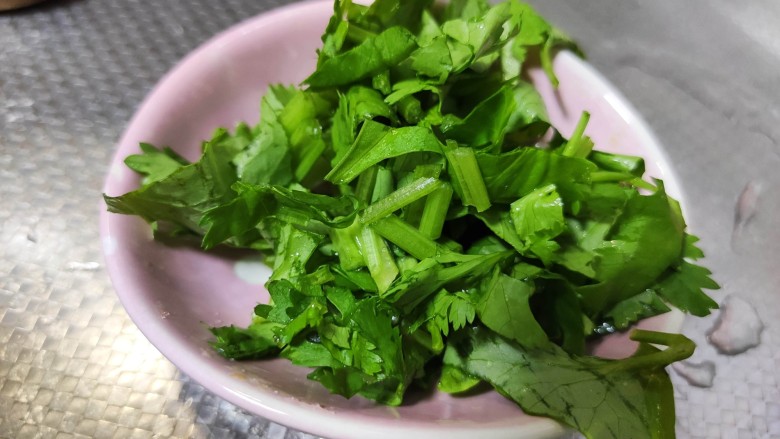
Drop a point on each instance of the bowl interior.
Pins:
(173, 293)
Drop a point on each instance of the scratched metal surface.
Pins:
(703, 73)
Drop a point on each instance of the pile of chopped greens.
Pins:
(426, 223)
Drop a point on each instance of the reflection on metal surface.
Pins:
(83, 266)
(738, 327)
(697, 374)
(745, 209)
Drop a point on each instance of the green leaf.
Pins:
(533, 29)
(556, 308)
(635, 308)
(372, 56)
(156, 164)
(257, 341)
(450, 311)
(427, 277)
(482, 35)
(310, 317)
(504, 308)
(644, 243)
(487, 245)
(380, 363)
(454, 380)
(691, 251)
(571, 176)
(465, 9)
(537, 35)
(600, 398)
(486, 123)
(556, 40)
(377, 142)
(288, 301)
(538, 216)
(366, 103)
(345, 381)
(308, 354)
(186, 194)
(254, 204)
(682, 287)
(528, 121)
(533, 32)
(409, 87)
(300, 119)
(293, 249)
(267, 157)
(387, 13)
(375, 323)
(435, 59)
(500, 222)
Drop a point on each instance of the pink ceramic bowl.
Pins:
(174, 293)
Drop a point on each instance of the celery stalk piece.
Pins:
(378, 258)
(465, 170)
(400, 198)
(435, 212)
(406, 237)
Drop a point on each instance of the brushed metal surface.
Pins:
(72, 365)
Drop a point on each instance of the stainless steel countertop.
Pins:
(705, 75)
